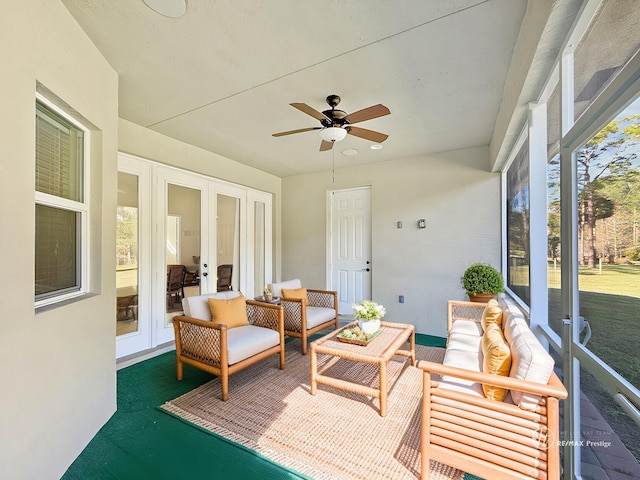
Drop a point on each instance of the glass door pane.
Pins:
(127, 254)
(259, 249)
(609, 281)
(228, 243)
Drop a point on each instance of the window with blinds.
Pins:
(60, 211)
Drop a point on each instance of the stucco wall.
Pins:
(453, 191)
(58, 366)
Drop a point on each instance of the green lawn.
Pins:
(610, 302)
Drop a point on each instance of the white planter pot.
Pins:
(369, 326)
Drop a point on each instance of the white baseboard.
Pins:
(144, 355)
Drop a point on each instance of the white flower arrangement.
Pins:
(368, 310)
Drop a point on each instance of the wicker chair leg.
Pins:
(304, 341)
(179, 370)
(225, 387)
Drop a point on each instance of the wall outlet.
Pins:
(401, 298)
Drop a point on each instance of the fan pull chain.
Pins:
(333, 162)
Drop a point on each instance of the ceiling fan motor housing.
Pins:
(335, 118)
(340, 122)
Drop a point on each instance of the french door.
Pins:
(182, 247)
(178, 233)
(133, 258)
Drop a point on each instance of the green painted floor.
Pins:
(140, 442)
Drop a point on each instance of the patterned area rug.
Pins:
(331, 435)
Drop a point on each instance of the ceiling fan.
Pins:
(336, 124)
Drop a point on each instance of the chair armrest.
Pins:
(552, 389)
(322, 298)
(200, 339)
(266, 315)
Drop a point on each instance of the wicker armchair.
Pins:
(302, 319)
(225, 276)
(224, 351)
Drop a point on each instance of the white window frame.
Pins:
(82, 208)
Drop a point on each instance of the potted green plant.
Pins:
(482, 282)
(268, 295)
(368, 314)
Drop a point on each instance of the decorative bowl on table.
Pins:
(356, 336)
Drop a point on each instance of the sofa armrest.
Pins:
(459, 310)
(554, 388)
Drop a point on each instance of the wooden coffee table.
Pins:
(377, 352)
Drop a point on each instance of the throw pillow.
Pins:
(530, 361)
(496, 361)
(231, 312)
(492, 314)
(295, 293)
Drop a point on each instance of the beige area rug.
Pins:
(331, 435)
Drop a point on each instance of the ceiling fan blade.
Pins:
(368, 113)
(300, 130)
(303, 107)
(324, 146)
(367, 134)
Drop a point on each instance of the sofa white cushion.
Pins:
(318, 315)
(463, 358)
(530, 361)
(468, 360)
(198, 306)
(466, 327)
(276, 288)
(464, 351)
(249, 340)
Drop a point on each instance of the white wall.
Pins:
(453, 191)
(58, 366)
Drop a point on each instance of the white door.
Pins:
(351, 246)
(181, 220)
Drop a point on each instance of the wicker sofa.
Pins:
(513, 438)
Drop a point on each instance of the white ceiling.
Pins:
(222, 76)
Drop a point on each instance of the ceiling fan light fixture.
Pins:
(333, 134)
